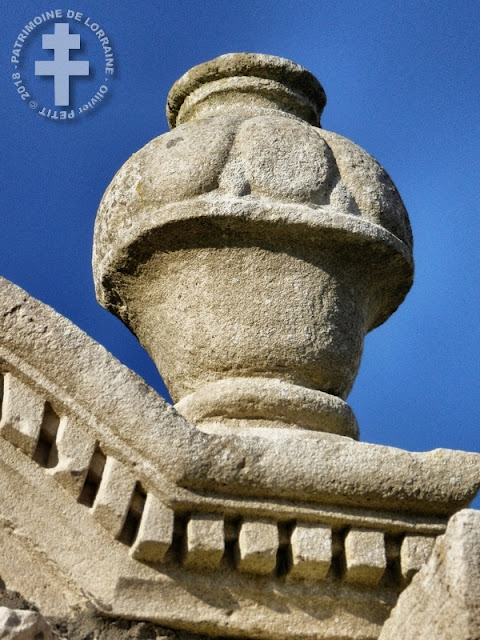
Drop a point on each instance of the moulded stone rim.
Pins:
(355, 229)
(291, 405)
(205, 501)
(305, 110)
(256, 211)
(259, 65)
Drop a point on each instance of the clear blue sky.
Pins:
(402, 81)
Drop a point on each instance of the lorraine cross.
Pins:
(61, 67)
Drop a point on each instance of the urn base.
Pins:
(266, 405)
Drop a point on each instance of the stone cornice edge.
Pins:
(333, 470)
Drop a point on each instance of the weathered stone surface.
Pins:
(443, 600)
(16, 624)
(74, 452)
(298, 86)
(238, 403)
(90, 625)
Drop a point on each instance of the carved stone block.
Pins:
(257, 546)
(114, 496)
(311, 546)
(22, 414)
(365, 556)
(204, 541)
(155, 533)
(414, 553)
(75, 451)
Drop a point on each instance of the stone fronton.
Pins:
(139, 514)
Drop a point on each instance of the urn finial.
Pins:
(250, 251)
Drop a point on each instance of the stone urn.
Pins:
(250, 251)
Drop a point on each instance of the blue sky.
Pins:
(402, 81)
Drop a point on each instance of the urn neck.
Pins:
(246, 85)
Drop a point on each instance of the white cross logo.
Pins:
(61, 67)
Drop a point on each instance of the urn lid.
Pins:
(290, 86)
